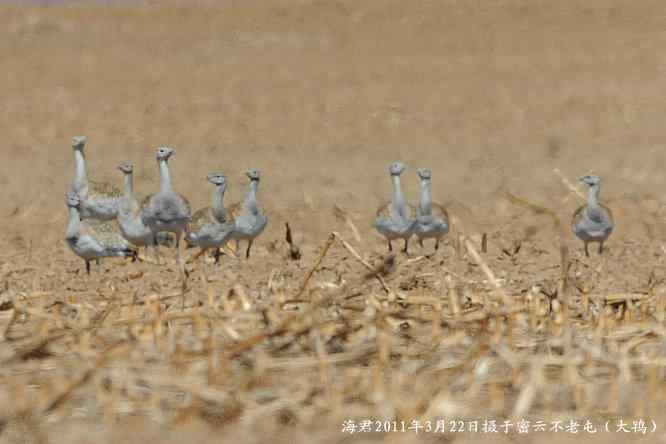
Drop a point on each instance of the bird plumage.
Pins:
(249, 218)
(166, 210)
(213, 226)
(130, 223)
(594, 221)
(90, 244)
(432, 219)
(396, 219)
(99, 200)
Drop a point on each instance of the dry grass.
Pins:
(506, 101)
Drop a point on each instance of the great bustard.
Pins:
(396, 219)
(593, 222)
(166, 210)
(213, 226)
(88, 244)
(249, 218)
(99, 200)
(129, 218)
(432, 219)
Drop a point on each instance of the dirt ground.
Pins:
(496, 97)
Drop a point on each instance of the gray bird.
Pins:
(432, 219)
(130, 223)
(249, 218)
(166, 210)
(89, 244)
(593, 222)
(396, 219)
(213, 226)
(99, 200)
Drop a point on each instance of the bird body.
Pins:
(99, 200)
(89, 244)
(248, 216)
(432, 219)
(129, 219)
(397, 219)
(166, 210)
(212, 227)
(594, 221)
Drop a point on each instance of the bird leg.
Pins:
(404, 250)
(249, 245)
(88, 267)
(421, 242)
(587, 253)
(390, 246)
(181, 268)
(156, 251)
(197, 255)
(237, 248)
(601, 247)
(204, 267)
(437, 244)
(216, 253)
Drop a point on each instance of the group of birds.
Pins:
(592, 222)
(400, 220)
(146, 223)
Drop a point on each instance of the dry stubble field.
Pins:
(322, 96)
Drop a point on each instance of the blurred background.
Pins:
(322, 95)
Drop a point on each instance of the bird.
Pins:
(212, 226)
(594, 221)
(396, 219)
(249, 218)
(432, 219)
(99, 200)
(166, 210)
(89, 244)
(132, 227)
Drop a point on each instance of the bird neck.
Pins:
(398, 197)
(74, 224)
(129, 186)
(426, 199)
(80, 176)
(218, 201)
(127, 203)
(593, 196)
(251, 197)
(165, 177)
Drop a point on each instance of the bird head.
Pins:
(126, 167)
(216, 178)
(79, 142)
(163, 153)
(397, 168)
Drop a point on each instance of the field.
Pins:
(508, 101)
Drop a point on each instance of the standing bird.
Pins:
(249, 218)
(592, 222)
(396, 220)
(129, 218)
(432, 219)
(166, 210)
(99, 200)
(88, 244)
(212, 226)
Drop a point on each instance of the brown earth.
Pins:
(321, 96)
